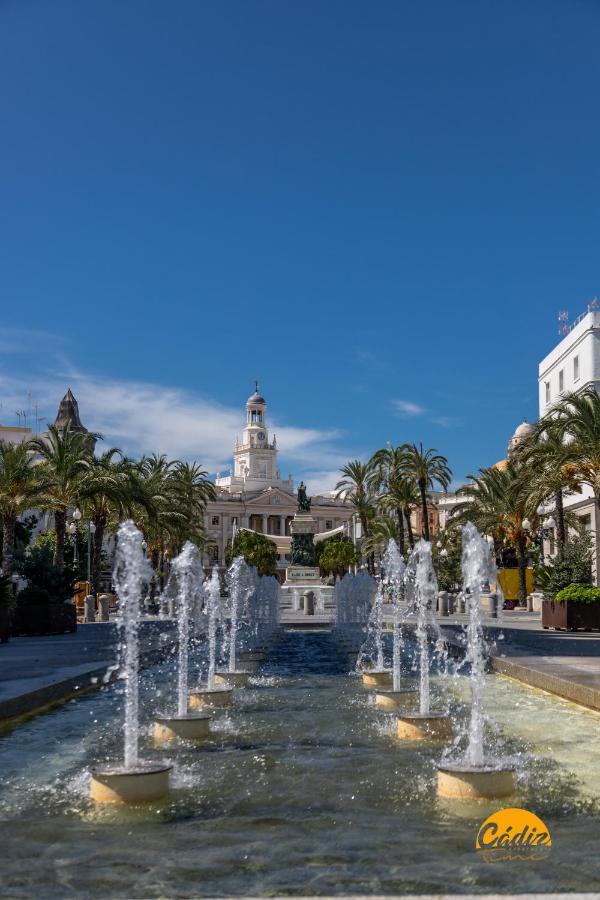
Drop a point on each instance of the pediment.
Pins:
(272, 497)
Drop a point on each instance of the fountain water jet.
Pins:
(421, 582)
(378, 676)
(134, 781)
(394, 569)
(213, 694)
(474, 777)
(187, 576)
(240, 587)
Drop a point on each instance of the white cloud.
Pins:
(407, 408)
(143, 417)
(321, 482)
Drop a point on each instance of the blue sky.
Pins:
(377, 209)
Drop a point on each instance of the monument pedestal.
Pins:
(298, 576)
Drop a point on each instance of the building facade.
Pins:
(253, 495)
(573, 365)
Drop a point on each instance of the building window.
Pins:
(547, 390)
(213, 553)
(215, 520)
(576, 369)
(585, 522)
(561, 381)
(328, 524)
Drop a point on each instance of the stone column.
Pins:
(282, 524)
(264, 524)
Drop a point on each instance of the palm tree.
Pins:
(396, 492)
(192, 491)
(382, 531)
(20, 489)
(65, 456)
(499, 503)
(356, 488)
(576, 418)
(427, 468)
(105, 496)
(551, 463)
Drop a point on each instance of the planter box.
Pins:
(5, 624)
(570, 616)
(44, 618)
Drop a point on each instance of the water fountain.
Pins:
(240, 587)
(476, 776)
(133, 780)
(378, 675)
(212, 694)
(421, 583)
(187, 577)
(394, 569)
(352, 602)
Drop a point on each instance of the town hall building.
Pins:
(255, 496)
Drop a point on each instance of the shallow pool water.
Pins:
(303, 789)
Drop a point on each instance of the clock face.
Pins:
(261, 435)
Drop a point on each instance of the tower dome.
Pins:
(522, 432)
(256, 399)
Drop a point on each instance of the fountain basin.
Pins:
(375, 678)
(462, 782)
(234, 679)
(143, 784)
(217, 696)
(186, 728)
(431, 726)
(397, 699)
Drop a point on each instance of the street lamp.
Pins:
(91, 531)
(526, 524)
(144, 546)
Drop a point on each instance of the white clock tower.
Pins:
(255, 458)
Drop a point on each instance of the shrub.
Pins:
(257, 550)
(47, 583)
(579, 593)
(573, 566)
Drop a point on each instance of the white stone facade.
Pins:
(254, 495)
(573, 365)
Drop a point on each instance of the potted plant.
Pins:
(45, 606)
(574, 607)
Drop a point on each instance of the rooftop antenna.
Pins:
(563, 322)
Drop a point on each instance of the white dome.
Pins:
(522, 432)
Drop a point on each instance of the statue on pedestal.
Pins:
(302, 551)
(303, 500)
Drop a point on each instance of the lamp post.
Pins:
(91, 531)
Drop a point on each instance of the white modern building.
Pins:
(573, 365)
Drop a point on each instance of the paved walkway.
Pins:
(38, 671)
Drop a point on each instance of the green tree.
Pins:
(257, 550)
(397, 492)
(356, 488)
(21, 488)
(336, 555)
(65, 456)
(105, 496)
(499, 503)
(427, 468)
